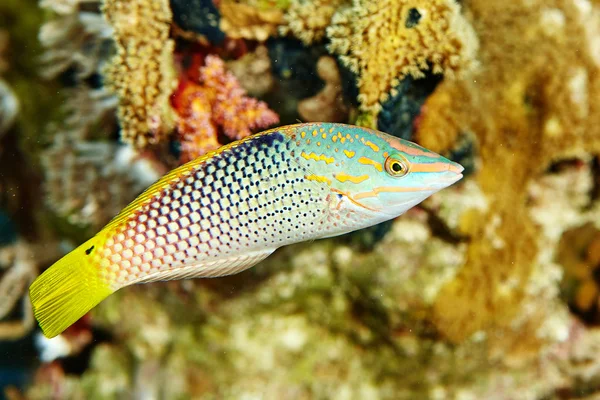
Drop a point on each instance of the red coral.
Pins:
(217, 103)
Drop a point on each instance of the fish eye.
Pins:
(396, 167)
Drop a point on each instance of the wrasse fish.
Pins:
(227, 210)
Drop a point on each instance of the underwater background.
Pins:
(490, 289)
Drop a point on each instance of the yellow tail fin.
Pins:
(67, 290)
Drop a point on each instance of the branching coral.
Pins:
(308, 19)
(327, 105)
(142, 72)
(249, 19)
(384, 41)
(218, 101)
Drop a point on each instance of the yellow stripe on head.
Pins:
(368, 161)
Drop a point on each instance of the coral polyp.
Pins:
(142, 73)
(384, 41)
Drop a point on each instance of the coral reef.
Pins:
(90, 182)
(198, 16)
(142, 73)
(249, 19)
(76, 46)
(76, 42)
(385, 41)
(20, 262)
(489, 289)
(307, 20)
(400, 112)
(579, 254)
(533, 102)
(9, 107)
(294, 67)
(217, 101)
(20, 57)
(327, 105)
(253, 71)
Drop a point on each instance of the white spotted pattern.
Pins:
(250, 199)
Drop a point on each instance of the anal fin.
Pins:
(208, 269)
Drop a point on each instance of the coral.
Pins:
(20, 262)
(488, 290)
(465, 152)
(327, 105)
(90, 182)
(21, 57)
(77, 45)
(9, 107)
(400, 111)
(529, 107)
(197, 133)
(66, 7)
(579, 254)
(198, 16)
(308, 19)
(323, 322)
(295, 70)
(385, 41)
(253, 71)
(249, 19)
(142, 72)
(217, 101)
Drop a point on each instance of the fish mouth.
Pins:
(438, 175)
(449, 178)
(452, 175)
(455, 167)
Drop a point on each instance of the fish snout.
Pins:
(451, 175)
(455, 167)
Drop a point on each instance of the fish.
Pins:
(226, 211)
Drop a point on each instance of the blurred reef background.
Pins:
(488, 290)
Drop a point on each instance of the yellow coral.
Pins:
(529, 105)
(248, 20)
(308, 19)
(385, 40)
(141, 73)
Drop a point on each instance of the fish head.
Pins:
(376, 173)
(409, 174)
